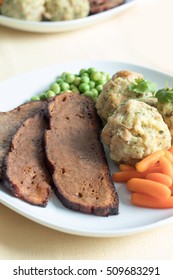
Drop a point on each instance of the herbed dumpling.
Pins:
(116, 92)
(166, 110)
(59, 10)
(25, 10)
(134, 131)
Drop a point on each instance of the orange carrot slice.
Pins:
(144, 200)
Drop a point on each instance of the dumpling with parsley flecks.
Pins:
(165, 107)
(26, 10)
(60, 10)
(134, 131)
(124, 85)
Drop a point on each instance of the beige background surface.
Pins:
(141, 35)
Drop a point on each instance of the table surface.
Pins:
(140, 35)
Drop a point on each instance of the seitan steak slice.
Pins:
(11, 121)
(98, 6)
(26, 174)
(76, 156)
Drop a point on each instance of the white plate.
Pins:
(62, 26)
(131, 219)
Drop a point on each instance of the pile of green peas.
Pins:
(88, 82)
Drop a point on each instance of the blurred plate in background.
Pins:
(62, 26)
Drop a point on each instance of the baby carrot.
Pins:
(148, 161)
(149, 187)
(169, 156)
(124, 176)
(171, 149)
(166, 166)
(160, 178)
(171, 189)
(125, 167)
(145, 200)
(153, 169)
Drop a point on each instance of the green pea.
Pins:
(88, 93)
(84, 74)
(103, 80)
(63, 75)
(74, 88)
(59, 80)
(66, 91)
(108, 77)
(69, 78)
(85, 79)
(77, 81)
(95, 76)
(94, 92)
(35, 98)
(84, 87)
(99, 88)
(92, 84)
(82, 71)
(104, 76)
(50, 94)
(91, 70)
(55, 88)
(42, 96)
(64, 86)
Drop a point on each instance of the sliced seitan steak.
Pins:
(11, 121)
(76, 156)
(26, 174)
(98, 6)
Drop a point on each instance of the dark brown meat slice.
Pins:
(76, 156)
(11, 121)
(98, 6)
(26, 174)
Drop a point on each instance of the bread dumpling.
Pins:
(25, 10)
(134, 131)
(59, 10)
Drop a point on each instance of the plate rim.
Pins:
(98, 234)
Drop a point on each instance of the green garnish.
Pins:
(143, 86)
(165, 95)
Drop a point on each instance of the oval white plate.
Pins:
(131, 219)
(62, 26)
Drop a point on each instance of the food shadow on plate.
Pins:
(54, 200)
(5, 189)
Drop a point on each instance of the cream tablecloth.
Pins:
(141, 35)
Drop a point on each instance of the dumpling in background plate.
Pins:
(134, 131)
(59, 10)
(23, 9)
